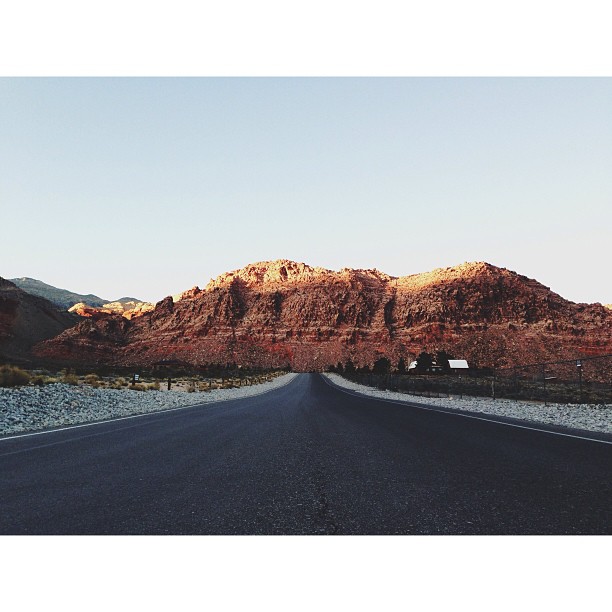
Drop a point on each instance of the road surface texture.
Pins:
(306, 458)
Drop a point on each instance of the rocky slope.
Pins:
(26, 320)
(286, 313)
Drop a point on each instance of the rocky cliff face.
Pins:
(127, 309)
(26, 320)
(286, 313)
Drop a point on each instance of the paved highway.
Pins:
(306, 458)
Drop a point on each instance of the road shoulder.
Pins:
(514, 416)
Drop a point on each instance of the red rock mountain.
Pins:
(25, 320)
(285, 313)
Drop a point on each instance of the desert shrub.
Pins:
(70, 379)
(39, 380)
(138, 387)
(155, 386)
(93, 380)
(12, 376)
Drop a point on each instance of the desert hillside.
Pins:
(25, 320)
(283, 313)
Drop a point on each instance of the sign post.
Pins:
(493, 382)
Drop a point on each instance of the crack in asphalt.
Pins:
(324, 519)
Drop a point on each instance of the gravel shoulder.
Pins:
(587, 417)
(25, 409)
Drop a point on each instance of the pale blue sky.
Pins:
(147, 187)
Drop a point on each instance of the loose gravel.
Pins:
(588, 417)
(37, 408)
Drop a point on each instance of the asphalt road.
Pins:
(304, 459)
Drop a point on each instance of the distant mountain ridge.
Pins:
(62, 298)
(283, 313)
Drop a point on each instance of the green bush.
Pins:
(12, 376)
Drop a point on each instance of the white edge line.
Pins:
(460, 414)
(136, 416)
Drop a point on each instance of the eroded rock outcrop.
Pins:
(128, 309)
(286, 313)
(187, 295)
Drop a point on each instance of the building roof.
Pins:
(458, 364)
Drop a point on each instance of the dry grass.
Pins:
(12, 376)
(70, 379)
